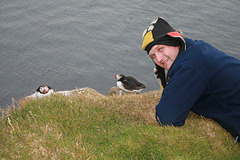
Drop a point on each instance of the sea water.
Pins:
(74, 44)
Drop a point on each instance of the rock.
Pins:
(88, 91)
(118, 91)
(81, 91)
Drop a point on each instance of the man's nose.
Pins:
(158, 56)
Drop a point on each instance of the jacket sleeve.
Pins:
(185, 87)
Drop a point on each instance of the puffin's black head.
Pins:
(43, 89)
(119, 76)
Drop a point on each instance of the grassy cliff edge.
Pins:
(94, 126)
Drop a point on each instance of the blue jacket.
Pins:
(206, 81)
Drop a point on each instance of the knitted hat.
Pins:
(160, 32)
(166, 40)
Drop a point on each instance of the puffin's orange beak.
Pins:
(44, 91)
(115, 77)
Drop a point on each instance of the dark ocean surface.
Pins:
(74, 44)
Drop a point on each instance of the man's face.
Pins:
(163, 55)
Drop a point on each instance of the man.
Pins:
(200, 78)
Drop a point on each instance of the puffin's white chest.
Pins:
(40, 95)
(120, 85)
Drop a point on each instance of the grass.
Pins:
(115, 127)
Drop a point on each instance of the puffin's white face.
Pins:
(118, 76)
(44, 90)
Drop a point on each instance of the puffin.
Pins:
(128, 83)
(41, 92)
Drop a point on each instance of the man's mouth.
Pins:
(165, 61)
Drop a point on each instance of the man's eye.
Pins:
(152, 56)
(160, 49)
